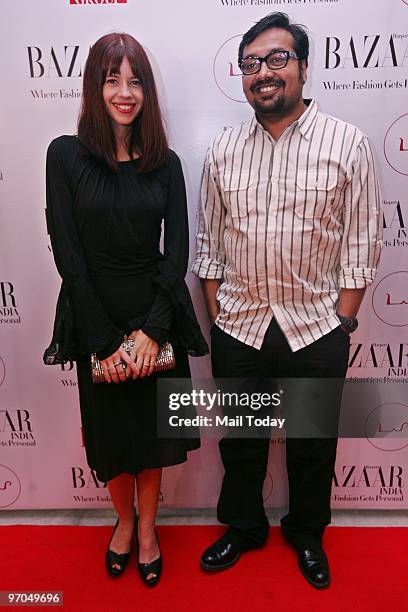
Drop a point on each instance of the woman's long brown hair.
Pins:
(94, 126)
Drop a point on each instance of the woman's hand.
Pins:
(143, 355)
(113, 369)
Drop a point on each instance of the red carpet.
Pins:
(369, 572)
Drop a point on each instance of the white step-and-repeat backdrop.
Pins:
(358, 72)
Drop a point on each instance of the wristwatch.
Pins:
(349, 324)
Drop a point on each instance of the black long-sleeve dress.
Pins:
(105, 230)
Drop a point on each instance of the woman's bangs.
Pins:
(134, 59)
(113, 59)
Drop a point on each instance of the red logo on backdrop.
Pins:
(2, 371)
(10, 487)
(386, 427)
(390, 299)
(396, 145)
(98, 1)
(226, 71)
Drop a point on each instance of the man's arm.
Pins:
(210, 254)
(361, 241)
(349, 301)
(210, 287)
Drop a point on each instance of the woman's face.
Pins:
(123, 96)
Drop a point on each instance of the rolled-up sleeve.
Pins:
(362, 235)
(210, 255)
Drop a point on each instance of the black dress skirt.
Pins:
(105, 231)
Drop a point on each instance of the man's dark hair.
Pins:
(278, 20)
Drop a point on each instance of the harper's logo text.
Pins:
(17, 428)
(392, 358)
(54, 62)
(8, 304)
(370, 51)
(376, 483)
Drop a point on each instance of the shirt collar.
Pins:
(308, 119)
(305, 122)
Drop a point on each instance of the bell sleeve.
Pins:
(82, 326)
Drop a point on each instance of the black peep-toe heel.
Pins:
(154, 567)
(112, 558)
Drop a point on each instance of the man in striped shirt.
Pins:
(289, 237)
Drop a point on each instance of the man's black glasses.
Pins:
(274, 60)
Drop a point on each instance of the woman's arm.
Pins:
(175, 259)
(176, 250)
(95, 331)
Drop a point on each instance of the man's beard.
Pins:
(270, 107)
(279, 104)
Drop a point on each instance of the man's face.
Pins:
(274, 92)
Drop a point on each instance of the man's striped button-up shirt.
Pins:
(286, 224)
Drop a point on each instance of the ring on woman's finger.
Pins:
(116, 364)
(145, 365)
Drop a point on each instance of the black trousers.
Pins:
(310, 461)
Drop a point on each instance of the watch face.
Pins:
(348, 323)
(351, 324)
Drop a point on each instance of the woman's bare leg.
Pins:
(122, 492)
(148, 490)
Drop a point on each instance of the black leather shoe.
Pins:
(315, 567)
(220, 555)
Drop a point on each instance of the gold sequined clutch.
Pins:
(165, 360)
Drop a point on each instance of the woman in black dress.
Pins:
(108, 191)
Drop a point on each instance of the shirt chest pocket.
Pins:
(239, 193)
(315, 194)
